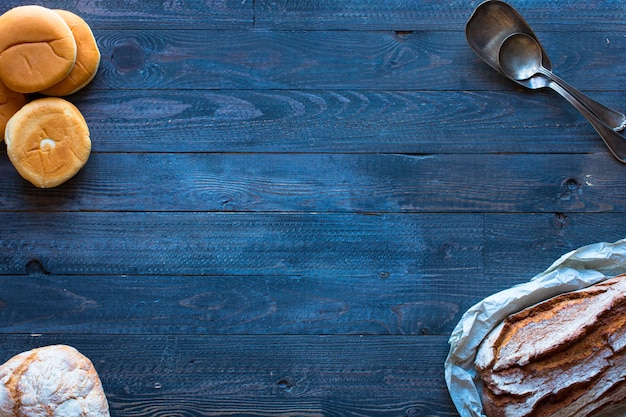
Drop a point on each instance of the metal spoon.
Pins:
(492, 22)
(520, 59)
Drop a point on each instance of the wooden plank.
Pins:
(410, 303)
(394, 247)
(430, 14)
(262, 375)
(338, 121)
(336, 60)
(425, 299)
(362, 15)
(401, 15)
(535, 241)
(322, 183)
(238, 244)
(151, 14)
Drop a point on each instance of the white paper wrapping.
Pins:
(574, 270)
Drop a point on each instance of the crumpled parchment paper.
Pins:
(580, 268)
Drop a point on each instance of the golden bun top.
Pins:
(48, 141)
(87, 57)
(10, 103)
(37, 48)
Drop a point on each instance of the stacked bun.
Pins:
(54, 53)
(564, 357)
(10, 102)
(87, 57)
(37, 48)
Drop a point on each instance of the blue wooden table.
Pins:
(290, 204)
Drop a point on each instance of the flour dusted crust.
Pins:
(53, 381)
(563, 357)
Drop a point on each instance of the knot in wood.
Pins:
(35, 267)
(128, 57)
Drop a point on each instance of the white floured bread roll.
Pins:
(53, 381)
(564, 357)
(48, 141)
(37, 48)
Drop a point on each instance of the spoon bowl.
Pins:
(505, 41)
(491, 23)
(520, 57)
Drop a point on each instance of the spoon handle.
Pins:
(613, 140)
(613, 118)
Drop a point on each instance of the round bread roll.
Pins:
(48, 141)
(10, 103)
(54, 380)
(87, 57)
(37, 48)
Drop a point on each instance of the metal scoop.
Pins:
(501, 37)
(492, 22)
(521, 60)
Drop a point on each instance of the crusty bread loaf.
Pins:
(37, 48)
(87, 57)
(48, 141)
(564, 357)
(52, 381)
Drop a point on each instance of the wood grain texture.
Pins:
(320, 293)
(412, 303)
(552, 235)
(402, 15)
(276, 244)
(300, 375)
(290, 204)
(340, 121)
(154, 14)
(362, 183)
(430, 14)
(238, 244)
(337, 60)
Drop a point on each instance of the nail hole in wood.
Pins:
(561, 221)
(285, 385)
(403, 34)
(571, 184)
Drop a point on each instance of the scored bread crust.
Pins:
(51, 381)
(87, 57)
(37, 48)
(48, 141)
(563, 357)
